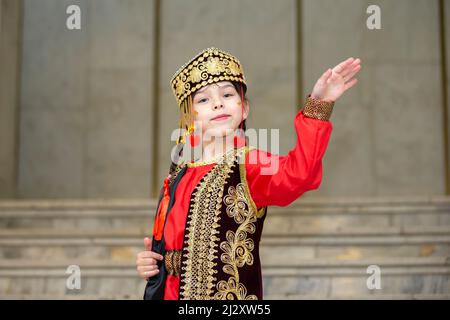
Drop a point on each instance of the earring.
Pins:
(194, 139)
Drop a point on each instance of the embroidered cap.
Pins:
(209, 66)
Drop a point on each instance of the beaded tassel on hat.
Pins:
(186, 120)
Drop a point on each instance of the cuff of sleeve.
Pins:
(318, 109)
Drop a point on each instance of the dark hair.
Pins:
(238, 86)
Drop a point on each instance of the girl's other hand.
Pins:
(334, 82)
(146, 262)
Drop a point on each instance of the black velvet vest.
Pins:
(220, 255)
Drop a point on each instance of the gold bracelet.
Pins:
(318, 109)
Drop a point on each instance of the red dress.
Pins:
(299, 171)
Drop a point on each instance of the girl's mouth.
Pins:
(221, 117)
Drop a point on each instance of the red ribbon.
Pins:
(162, 211)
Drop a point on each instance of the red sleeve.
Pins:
(279, 180)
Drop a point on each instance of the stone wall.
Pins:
(87, 107)
(85, 118)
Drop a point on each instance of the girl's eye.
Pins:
(204, 99)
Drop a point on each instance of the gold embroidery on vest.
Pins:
(243, 174)
(237, 248)
(176, 172)
(201, 233)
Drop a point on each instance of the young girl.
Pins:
(211, 211)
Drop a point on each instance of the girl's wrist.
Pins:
(313, 96)
(317, 108)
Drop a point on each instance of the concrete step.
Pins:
(314, 248)
(303, 231)
(320, 277)
(304, 243)
(77, 214)
(337, 212)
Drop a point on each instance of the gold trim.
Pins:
(318, 109)
(243, 173)
(172, 260)
(216, 160)
(200, 163)
(198, 280)
(176, 172)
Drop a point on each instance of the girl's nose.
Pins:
(218, 104)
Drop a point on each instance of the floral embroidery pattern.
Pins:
(237, 248)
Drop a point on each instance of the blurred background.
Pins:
(86, 116)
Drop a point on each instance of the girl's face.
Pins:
(218, 109)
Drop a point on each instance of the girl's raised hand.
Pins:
(334, 82)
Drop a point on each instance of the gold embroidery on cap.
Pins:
(208, 66)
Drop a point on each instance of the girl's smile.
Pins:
(221, 117)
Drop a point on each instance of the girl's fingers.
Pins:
(149, 274)
(148, 243)
(346, 69)
(149, 254)
(349, 69)
(342, 65)
(146, 262)
(350, 84)
(147, 268)
(352, 73)
(335, 76)
(354, 63)
(329, 74)
(325, 75)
